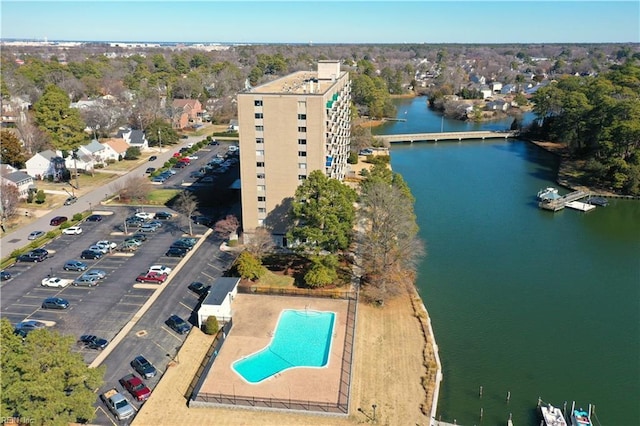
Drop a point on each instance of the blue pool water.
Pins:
(301, 339)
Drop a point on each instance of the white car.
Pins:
(192, 157)
(107, 244)
(161, 269)
(145, 215)
(55, 282)
(72, 230)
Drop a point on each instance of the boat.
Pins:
(579, 417)
(552, 416)
(548, 194)
(597, 201)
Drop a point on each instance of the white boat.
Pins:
(579, 417)
(552, 416)
(548, 194)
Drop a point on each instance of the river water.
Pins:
(524, 302)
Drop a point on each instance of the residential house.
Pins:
(41, 165)
(478, 79)
(134, 137)
(114, 149)
(495, 86)
(233, 126)
(508, 88)
(96, 150)
(486, 91)
(187, 113)
(497, 105)
(20, 180)
(84, 160)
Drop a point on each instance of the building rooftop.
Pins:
(301, 82)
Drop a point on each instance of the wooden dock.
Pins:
(564, 201)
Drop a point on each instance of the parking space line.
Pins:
(208, 276)
(214, 266)
(107, 414)
(188, 307)
(171, 332)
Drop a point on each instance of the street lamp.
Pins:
(159, 140)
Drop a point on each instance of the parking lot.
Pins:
(104, 310)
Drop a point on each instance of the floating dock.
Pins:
(562, 202)
(583, 207)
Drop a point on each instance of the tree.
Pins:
(249, 267)
(259, 242)
(42, 379)
(10, 199)
(322, 271)
(132, 153)
(62, 123)
(134, 188)
(41, 196)
(211, 325)
(227, 226)
(187, 204)
(323, 212)
(159, 131)
(12, 152)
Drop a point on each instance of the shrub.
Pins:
(77, 217)
(133, 153)
(110, 161)
(99, 166)
(353, 158)
(65, 225)
(40, 197)
(249, 267)
(51, 235)
(17, 252)
(211, 326)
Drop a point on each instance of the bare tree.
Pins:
(34, 139)
(259, 243)
(227, 226)
(134, 188)
(187, 204)
(9, 200)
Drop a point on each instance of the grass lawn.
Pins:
(276, 280)
(127, 164)
(161, 196)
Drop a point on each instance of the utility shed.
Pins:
(218, 300)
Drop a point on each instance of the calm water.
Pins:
(525, 301)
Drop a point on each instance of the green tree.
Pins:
(167, 136)
(211, 325)
(322, 272)
(11, 152)
(132, 153)
(62, 123)
(40, 196)
(43, 380)
(323, 212)
(249, 267)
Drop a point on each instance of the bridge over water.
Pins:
(445, 136)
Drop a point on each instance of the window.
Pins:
(259, 140)
(257, 102)
(261, 188)
(302, 116)
(259, 152)
(302, 177)
(259, 128)
(260, 176)
(262, 199)
(262, 210)
(258, 115)
(302, 141)
(302, 153)
(302, 166)
(260, 164)
(301, 129)
(302, 105)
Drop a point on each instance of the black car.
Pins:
(40, 252)
(150, 170)
(55, 303)
(90, 254)
(214, 142)
(176, 252)
(202, 220)
(5, 276)
(181, 245)
(93, 342)
(94, 218)
(143, 367)
(199, 288)
(31, 257)
(163, 215)
(177, 324)
(139, 236)
(153, 158)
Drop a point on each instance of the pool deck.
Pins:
(254, 321)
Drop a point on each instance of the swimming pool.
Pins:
(302, 339)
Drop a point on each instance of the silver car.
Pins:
(86, 281)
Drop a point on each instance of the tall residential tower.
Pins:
(290, 127)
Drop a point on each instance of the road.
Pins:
(18, 238)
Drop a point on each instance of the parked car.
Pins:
(40, 252)
(5, 276)
(107, 244)
(159, 179)
(132, 240)
(101, 249)
(152, 277)
(58, 220)
(91, 254)
(55, 282)
(202, 220)
(93, 342)
(162, 269)
(155, 223)
(147, 227)
(35, 235)
(25, 327)
(98, 273)
(86, 281)
(214, 142)
(94, 218)
(178, 325)
(150, 170)
(139, 236)
(153, 158)
(199, 288)
(162, 215)
(144, 215)
(207, 179)
(143, 367)
(55, 303)
(70, 200)
(74, 265)
(176, 252)
(31, 257)
(128, 246)
(134, 385)
(72, 230)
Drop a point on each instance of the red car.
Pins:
(136, 387)
(152, 277)
(185, 160)
(177, 155)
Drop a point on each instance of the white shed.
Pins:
(218, 300)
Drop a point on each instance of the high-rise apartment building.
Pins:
(288, 128)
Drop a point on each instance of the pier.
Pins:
(445, 136)
(570, 200)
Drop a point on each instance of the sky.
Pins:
(306, 21)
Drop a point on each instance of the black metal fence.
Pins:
(209, 358)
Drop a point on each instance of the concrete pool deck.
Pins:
(254, 320)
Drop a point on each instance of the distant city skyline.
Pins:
(323, 22)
